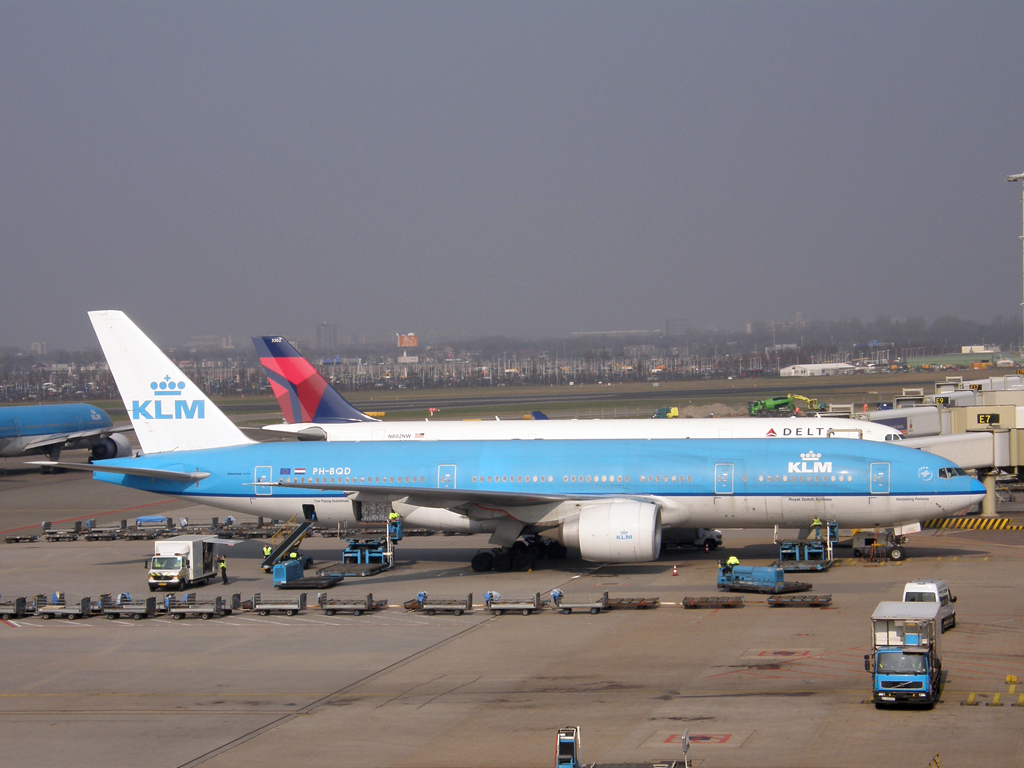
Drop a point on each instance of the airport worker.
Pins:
(816, 527)
(294, 555)
(266, 551)
(733, 560)
(222, 563)
(393, 517)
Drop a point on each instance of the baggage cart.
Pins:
(124, 605)
(732, 601)
(525, 605)
(204, 609)
(444, 604)
(21, 539)
(12, 608)
(567, 604)
(807, 601)
(50, 609)
(633, 603)
(264, 606)
(354, 605)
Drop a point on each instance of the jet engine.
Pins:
(615, 532)
(113, 446)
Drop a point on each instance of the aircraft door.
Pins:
(17, 428)
(446, 476)
(263, 475)
(724, 479)
(880, 478)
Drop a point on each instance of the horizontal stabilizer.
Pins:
(156, 474)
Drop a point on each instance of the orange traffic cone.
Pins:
(675, 571)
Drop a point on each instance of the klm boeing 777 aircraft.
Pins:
(48, 429)
(609, 499)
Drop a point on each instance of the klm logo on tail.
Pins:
(162, 406)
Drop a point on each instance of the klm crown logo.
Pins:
(160, 406)
(809, 464)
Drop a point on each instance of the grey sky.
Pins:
(525, 169)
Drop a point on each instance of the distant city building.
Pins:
(327, 336)
(38, 348)
(671, 328)
(211, 342)
(974, 349)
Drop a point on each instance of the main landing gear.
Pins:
(521, 556)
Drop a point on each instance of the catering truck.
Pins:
(180, 562)
(906, 653)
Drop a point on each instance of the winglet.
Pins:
(303, 394)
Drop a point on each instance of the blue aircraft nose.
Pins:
(977, 491)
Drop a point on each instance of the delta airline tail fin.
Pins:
(168, 411)
(303, 394)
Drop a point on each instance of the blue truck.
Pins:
(767, 579)
(906, 654)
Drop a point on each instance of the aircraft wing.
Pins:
(157, 474)
(443, 498)
(44, 441)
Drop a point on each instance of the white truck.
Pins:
(708, 538)
(183, 561)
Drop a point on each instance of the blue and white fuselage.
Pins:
(475, 485)
(33, 429)
(608, 498)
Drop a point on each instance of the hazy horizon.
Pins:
(506, 169)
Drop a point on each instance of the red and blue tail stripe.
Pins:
(303, 394)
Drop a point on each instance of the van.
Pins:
(933, 592)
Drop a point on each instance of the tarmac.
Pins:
(756, 687)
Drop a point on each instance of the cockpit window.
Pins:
(893, 438)
(952, 472)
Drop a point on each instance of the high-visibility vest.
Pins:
(267, 551)
(223, 565)
(294, 555)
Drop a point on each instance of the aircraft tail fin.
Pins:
(303, 394)
(168, 411)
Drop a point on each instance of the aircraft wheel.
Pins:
(557, 551)
(897, 553)
(518, 547)
(482, 562)
(522, 563)
(502, 562)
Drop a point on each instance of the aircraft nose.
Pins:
(977, 491)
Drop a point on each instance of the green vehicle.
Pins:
(774, 406)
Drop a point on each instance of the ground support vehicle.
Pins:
(204, 609)
(749, 578)
(432, 605)
(51, 534)
(877, 545)
(20, 539)
(182, 561)
(289, 575)
(264, 606)
(708, 539)
(567, 604)
(906, 653)
(804, 556)
(53, 608)
(124, 605)
(525, 605)
(800, 601)
(933, 592)
(633, 603)
(732, 601)
(354, 605)
(12, 608)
